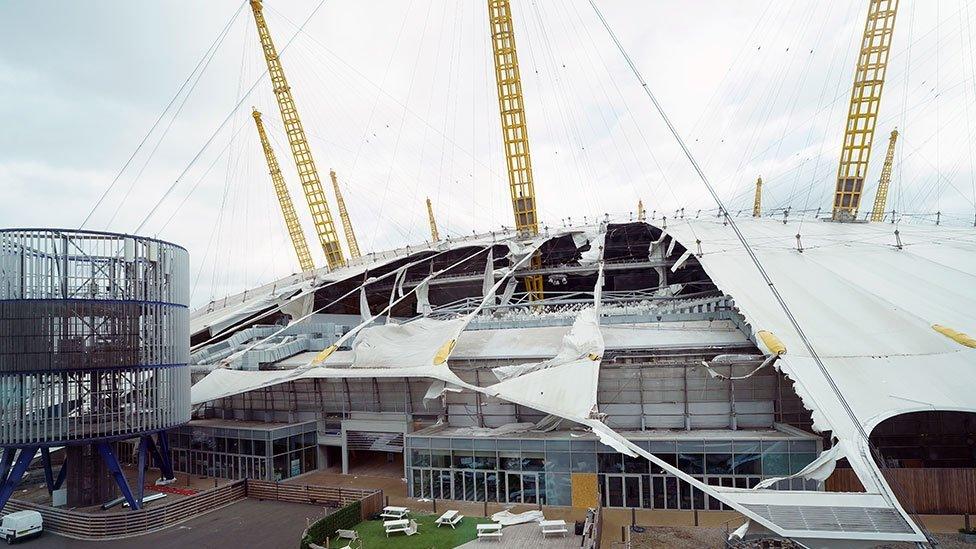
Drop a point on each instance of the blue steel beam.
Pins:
(20, 467)
(143, 449)
(105, 449)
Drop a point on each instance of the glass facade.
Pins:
(235, 452)
(540, 471)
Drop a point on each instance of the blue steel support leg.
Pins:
(113, 465)
(166, 465)
(143, 449)
(20, 467)
(48, 473)
(8, 458)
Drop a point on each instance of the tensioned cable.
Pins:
(213, 47)
(742, 239)
(226, 119)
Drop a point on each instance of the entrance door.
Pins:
(624, 491)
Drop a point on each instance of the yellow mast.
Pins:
(863, 113)
(309, 176)
(514, 133)
(757, 203)
(641, 212)
(344, 217)
(434, 235)
(881, 198)
(284, 198)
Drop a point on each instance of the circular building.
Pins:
(94, 346)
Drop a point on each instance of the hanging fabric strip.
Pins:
(509, 291)
(489, 280)
(363, 304)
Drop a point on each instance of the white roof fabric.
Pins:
(866, 306)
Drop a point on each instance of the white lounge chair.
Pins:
(490, 531)
(449, 518)
(352, 536)
(408, 527)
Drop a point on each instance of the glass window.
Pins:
(491, 485)
(638, 464)
(610, 463)
(280, 467)
(280, 446)
(747, 464)
(658, 484)
(718, 464)
(534, 445)
(508, 444)
(533, 461)
(485, 460)
(469, 486)
(310, 438)
(691, 446)
(799, 461)
(295, 442)
(458, 486)
(718, 447)
(691, 463)
(440, 458)
(557, 461)
(510, 461)
(803, 446)
(221, 444)
(441, 443)
(416, 493)
(260, 448)
(670, 459)
(557, 445)
(778, 446)
(660, 446)
(513, 483)
(309, 459)
(233, 446)
(484, 444)
(247, 447)
(776, 465)
(529, 489)
(462, 459)
(462, 444)
(583, 445)
(419, 442)
(583, 462)
(746, 447)
(559, 489)
(420, 458)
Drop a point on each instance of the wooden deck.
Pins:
(526, 536)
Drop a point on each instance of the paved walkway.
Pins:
(248, 523)
(525, 536)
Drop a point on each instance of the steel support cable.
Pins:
(742, 240)
(213, 47)
(226, 119)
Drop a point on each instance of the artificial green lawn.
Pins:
(428, 535)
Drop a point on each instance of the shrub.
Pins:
(344, 518)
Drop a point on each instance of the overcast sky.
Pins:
(399, 98)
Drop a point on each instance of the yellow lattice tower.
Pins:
(344, 217)
(514, 133)
(284, 198)
(862, 116)
(434, 235)
(757, 202)
(881, 198)
(641, 212)
(309, 176)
